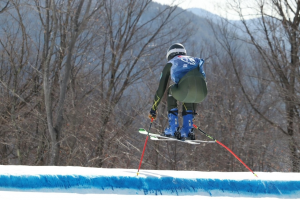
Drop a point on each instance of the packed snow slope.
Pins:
(148, 182)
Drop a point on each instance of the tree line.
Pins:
(77, 80)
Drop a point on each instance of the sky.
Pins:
(219, 7)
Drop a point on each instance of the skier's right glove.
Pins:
(152, 114)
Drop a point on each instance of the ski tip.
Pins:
(255, 175)
(141, 129)
(137, 173)
(153, 138)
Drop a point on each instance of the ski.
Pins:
(174, 139)
(157, 137)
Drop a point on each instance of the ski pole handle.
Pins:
(150, 125)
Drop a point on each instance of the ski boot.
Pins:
(187, 130)
(173, 127)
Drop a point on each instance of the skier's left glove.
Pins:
(152, 114)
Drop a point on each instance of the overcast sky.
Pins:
(219, 7)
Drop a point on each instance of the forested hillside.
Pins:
(78, 79)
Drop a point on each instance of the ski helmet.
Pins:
(174, 50)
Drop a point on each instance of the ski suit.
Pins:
(190, 89)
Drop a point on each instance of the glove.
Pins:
(152, 114)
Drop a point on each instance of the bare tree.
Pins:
(129, 44)
(73, 81)
(277, 41)
(73, 23)
(5, 6)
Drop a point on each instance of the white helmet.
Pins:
(174, 50)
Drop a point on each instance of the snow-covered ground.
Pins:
(27, 182)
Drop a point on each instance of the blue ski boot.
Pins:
(173, 123)
(187, 130)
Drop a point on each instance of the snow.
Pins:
(49, 182)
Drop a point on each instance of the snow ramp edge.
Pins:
(154, 185)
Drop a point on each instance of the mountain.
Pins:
(204, 13)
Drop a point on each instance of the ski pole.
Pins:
(225, 148)
(144, 147)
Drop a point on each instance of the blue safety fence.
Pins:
(155, 185)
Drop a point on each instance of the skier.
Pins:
(189, 88)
